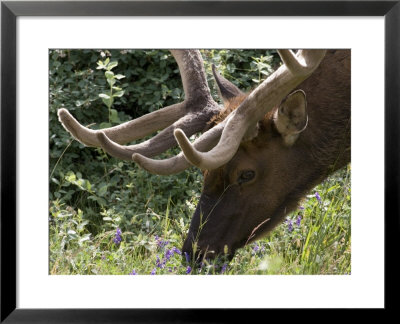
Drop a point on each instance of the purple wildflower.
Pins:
(301, 207)
(188, 270)
(133, 273)
(256, 248)
(176, 250)
(317, 196)
(290, 225)
(158, 263)
(298, 220)
(168, 254)
(223, 268)
(187, 257)
(160, 242)
(153, 272)
(117, 239)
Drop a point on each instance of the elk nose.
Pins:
(187, 251)
(191, 253)
(193, 259)
(198, 256)
(188, 255)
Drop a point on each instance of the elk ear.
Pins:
(291, 117)
(227, 90)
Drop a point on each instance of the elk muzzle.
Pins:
(214, 228)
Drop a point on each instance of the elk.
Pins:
(260, 154)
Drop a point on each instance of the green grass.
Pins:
(150, 209)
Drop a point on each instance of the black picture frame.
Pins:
(10, 10)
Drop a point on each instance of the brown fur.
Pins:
(229, 106)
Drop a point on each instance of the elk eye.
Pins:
(246, 176)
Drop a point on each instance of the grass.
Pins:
(135, 223)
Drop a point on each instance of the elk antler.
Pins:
(178, 163)
(191, 116)
(265, 97)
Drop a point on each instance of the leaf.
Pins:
(103, 95)
(119, 93)
(114, 116)
(108, 102)
(231, 68)
(100, 201)
(70, 177)
(262, 66)
(86, 237)
(79, 103)
(112, 65)
(55, 181)
(119, 76)
(109, 74)
(104, 125)
(88, 185)
(111, 82)
(100, 65)
(103, 190)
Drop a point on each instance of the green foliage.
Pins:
(114, 91)
(92, 194)
(245, 68)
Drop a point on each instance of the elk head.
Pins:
(261, 154)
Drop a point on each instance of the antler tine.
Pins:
(198, 103)
(190, 124)
(194, 79)
(256, 105)
(299, 64)
(179, 163)
(231, 91)
(125, 132)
